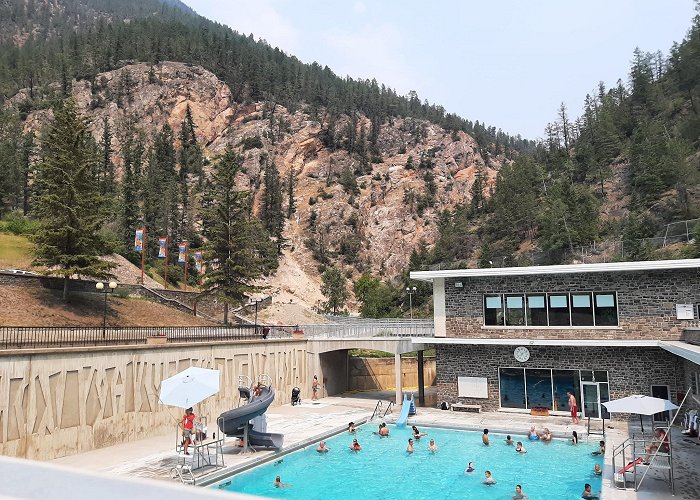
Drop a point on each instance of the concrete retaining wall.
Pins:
(63, 401)
(368, 374)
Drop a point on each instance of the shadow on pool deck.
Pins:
(154, 457)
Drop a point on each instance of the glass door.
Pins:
(590, 396)
(661, 391)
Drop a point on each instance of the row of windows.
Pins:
(551, 309)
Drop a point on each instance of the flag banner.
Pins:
(138, 241)
(162, 247)
(198, 261)
(181, 253)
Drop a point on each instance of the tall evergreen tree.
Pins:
(105, 175)
(271, 210)
(68, 241)
(291, 184)
(238, 249)
(334, 288)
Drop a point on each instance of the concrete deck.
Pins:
(154, 457)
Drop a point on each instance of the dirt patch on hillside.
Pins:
(40, 307)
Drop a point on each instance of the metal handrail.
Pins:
(377, 409)
(389, 408)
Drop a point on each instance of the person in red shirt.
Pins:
(187, 428)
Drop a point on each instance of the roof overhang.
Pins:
(690, 352)
(654, 265)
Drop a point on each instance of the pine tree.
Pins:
(105, 175)
(271, 210)
(291, 183)
(238, 249)
(334, 289)
(68, 241)
(477, 191)
(132, 153)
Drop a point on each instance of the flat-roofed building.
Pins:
(519, 338)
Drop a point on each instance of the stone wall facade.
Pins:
(630, 370)
(64, 401)
(646, 304)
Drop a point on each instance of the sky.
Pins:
(508, 63)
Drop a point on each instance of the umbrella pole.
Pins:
(641, 422)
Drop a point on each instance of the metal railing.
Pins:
(364, 328)
(28, 337)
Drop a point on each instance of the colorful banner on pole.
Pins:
(182, 253)
(162, 247)
(138, 241)
(198, 261)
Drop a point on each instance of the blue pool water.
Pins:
(383, 469)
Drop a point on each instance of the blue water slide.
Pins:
(405, 407)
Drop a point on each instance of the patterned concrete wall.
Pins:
(60, 402)
(646, 304)
(630, 370)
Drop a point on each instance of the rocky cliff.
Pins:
(371, 229)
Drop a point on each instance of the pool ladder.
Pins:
(183, 473)
(378, 409)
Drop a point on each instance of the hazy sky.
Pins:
(509, 63)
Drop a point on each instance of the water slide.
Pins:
(236, 422)
(405, 408)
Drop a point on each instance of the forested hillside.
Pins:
(357, 181)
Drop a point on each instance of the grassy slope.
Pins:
(15, 252)
(41, 307)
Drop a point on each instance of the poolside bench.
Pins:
(465, 407)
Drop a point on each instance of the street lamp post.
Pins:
(410, 291)
(108, 289)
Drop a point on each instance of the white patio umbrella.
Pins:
(640, 405)
(189, 387)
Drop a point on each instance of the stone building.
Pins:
(517, 339)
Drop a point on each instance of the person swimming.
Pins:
(597, 470)
(409, 448)
(432, 446)
(416, 433)
(355, 446)
(470, 468)
(519, 495)
(279, 484)
(520, 448)
(485, 437)
(489, 478)
(532, 435)
(574, 437)
(322, 448)
(601, 449)
(509, 440)
(383, 430)
(546, 435)
(588, 493)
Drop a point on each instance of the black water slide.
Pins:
(234, 422)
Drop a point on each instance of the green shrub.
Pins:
(16, 223)
(252, 143)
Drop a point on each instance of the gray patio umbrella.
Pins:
(640, 405)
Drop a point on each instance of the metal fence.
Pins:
(27, 337)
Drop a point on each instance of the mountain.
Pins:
(343, 173)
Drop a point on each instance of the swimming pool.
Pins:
(383, 469)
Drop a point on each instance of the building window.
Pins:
(539, 388)
(553, 309)
(515, 310)
(493, 310)
(695, 382)
(581, 309)
(537, 310)
(512, 387)
(564, 381)
(605, 309)
(559, 310)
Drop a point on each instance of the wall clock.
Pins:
(521, 354)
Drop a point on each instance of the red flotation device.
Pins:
(630, 465)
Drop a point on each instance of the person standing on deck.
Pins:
(573, 407)
(314, 388)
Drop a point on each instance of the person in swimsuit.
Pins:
(509, 440)
(489, 478)
(409, 448)
(322, 448)
(520, 448)
(601, 449)
(588, 493)
(597, 470)
(532, 435)
(314, 389)
(574, 408)
(485, 437)
(546, 435)
(574, 437)
(519, 495)
(355, 446)
(279, 484)
(351, 427)
(470, 468)
(432, 446)
(416, 433)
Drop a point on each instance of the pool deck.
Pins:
(303, 425)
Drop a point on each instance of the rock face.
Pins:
(372, 230)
